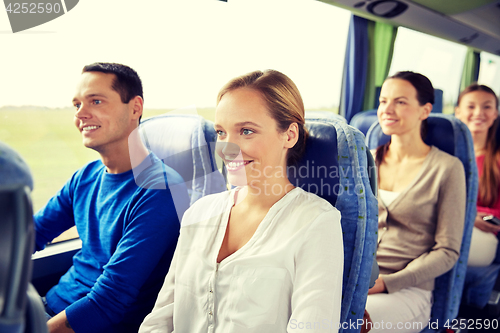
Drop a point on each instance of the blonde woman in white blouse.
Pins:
(265, 256)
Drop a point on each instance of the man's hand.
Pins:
(59, 324)
(378, 288)
(485, 226)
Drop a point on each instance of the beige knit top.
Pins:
(420, 232)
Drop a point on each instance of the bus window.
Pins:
(217, 42)
(438, 59)
(489, 71)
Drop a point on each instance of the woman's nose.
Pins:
(228, 150)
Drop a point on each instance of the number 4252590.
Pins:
(33, 8)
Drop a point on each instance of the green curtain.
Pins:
(381, 38)
(470, 72)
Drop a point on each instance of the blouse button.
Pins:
(210, 313)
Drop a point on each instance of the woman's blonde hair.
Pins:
(283, 101)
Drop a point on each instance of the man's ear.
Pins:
(137, 105)
(292, 135)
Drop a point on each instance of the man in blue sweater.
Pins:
(123, 210)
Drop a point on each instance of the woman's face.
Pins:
(399, 111)
(477, 110)
(248, 140)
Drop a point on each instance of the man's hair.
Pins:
(126, 82)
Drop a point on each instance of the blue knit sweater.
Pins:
(129, 229)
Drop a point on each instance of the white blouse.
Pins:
(287, 278)
(387, 197)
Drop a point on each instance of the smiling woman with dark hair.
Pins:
(477, 107)
(265, 256)
(421, 207)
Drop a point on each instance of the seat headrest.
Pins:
(318, 170)
(440, 133)
(13, 168)
(186, 143)
(364, 120)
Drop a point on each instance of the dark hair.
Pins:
(425, 94)
(126, 82)
(490, 178)
(283, 101)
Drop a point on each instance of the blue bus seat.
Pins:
(437, 107)
(364, 120)
(19, 312)
(452, 136)
(186, 143)
(338, 171)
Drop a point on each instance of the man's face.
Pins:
(104, 121)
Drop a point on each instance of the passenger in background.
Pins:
(265, 257)
(477, 107)
(421, 208)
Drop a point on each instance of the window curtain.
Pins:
(470, 71)
(355, 68)
(369, 50)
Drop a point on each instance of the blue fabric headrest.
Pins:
(364, 120)
(186, 143)
(318, 171)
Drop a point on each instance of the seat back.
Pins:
(335, 167)
(186, 143)
(16, 247)
(364, 120)
(452, 136)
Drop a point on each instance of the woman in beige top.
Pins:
(421, 208)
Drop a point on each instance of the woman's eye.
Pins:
(97, 101)
(246, 131)
(401, 102)
(77, 106)
(220, 133)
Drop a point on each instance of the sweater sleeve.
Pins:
(448, 237)
(150, 234)
(56, 217)
(317, 286)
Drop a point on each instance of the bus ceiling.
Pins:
(473, 23)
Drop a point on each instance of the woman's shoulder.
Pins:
(311, 202)
(445, 166)
(211, 199)
(444, 160)
(208, 204)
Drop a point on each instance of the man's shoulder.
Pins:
(89, 172)
(152, 173)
